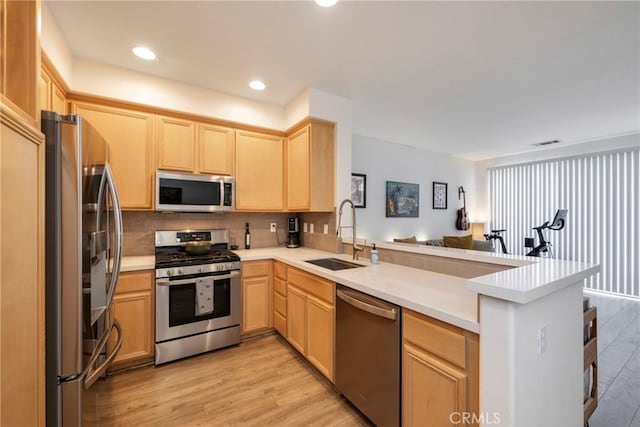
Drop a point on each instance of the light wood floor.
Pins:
(618, 361)
(262, 382)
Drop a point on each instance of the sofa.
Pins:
(461, 242)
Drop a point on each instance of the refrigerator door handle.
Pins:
(90, 374)
(117, 214)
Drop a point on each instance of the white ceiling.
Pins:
(472, 79)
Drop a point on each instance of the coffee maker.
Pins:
(293, 237)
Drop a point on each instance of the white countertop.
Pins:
(448, 298)
(443, 297)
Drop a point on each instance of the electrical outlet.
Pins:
(304, 227)
(273, 227)
(311, 228)
(542, 340)
(326, 229)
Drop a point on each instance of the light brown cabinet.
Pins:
(310, 168)
(130, 138)
(311, 318)
(280, 298)
(133, 306)
(256, 296)
(439, 371)
(259, 172)
(176, 141)
(216, 150)
(52, 97)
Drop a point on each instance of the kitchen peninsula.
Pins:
(524, 378)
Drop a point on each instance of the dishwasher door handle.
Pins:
(347, 297)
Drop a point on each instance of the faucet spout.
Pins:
(356, 249)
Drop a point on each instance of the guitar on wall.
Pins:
(462, 222)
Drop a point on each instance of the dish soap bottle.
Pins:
(247, 237)
(374, 255)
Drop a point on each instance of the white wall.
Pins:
(384, 161)
(55, 46)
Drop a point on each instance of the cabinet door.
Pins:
(133, 311)
(256, 313)
(176, 144)
(320, 335)
(44, 91)
(216, 149)
(259, 171)
(296, 318)
(298, 172)
(130, 138)
(432, 389)
(58, 101)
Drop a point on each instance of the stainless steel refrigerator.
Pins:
(83, 247)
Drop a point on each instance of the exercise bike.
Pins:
(496, 235)
(543, 249)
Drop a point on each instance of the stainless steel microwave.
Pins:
(184, 192)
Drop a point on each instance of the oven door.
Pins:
(177, 314)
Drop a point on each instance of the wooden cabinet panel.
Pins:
(310, 168)
(280, 323)
(279, 303)
(133, 310)
(176, 144)
(320, 335)
(440, 366)
(259, 172)
(130, 138)
(296, 318)
(256, 268)
(58, 100)
(256, 313)
(280, 270)
(216, 149)
(44, 91)
(312, 284)
(298, 170)
(280, 286)
(133, 306)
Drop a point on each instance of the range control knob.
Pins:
(199, 269)
(229, 266)
(180, 271)
(169, 272)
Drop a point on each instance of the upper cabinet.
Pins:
(20, 55)
(130, 138)
(310, 168)
(176, 144)
(259, 172)
(216, 149)
(52, 97)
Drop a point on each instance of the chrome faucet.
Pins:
(356, 249)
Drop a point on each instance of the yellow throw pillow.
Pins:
(411, 239)
(460, 242)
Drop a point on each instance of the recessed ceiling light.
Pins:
(257, 85)
(144, 53)
(326, 3)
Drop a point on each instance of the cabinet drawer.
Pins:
(131, 281)
(438, 338)
(280, 270)
(256, 268)
(312, 284)
(280, 323)
(280, 304)
(280, 286)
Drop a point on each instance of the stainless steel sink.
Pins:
(333, 263)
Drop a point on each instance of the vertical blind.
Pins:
(601, 193)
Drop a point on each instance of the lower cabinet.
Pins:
(311, 319)
(133, 306)
(256, 296)
(439, 373)
(280, 298)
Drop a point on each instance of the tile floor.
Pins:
(618, 361)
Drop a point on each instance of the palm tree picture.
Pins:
(402, 199)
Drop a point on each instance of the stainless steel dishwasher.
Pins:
(368, 355)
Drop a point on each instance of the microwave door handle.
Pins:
(117, 217)
(91, 374)
(221, 194)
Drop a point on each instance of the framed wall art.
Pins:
(439, 195)
(403, 199)
(359, 190)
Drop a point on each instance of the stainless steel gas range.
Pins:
(197, 293)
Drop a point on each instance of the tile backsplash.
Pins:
(139, 228)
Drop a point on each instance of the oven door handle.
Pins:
(167, 282)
